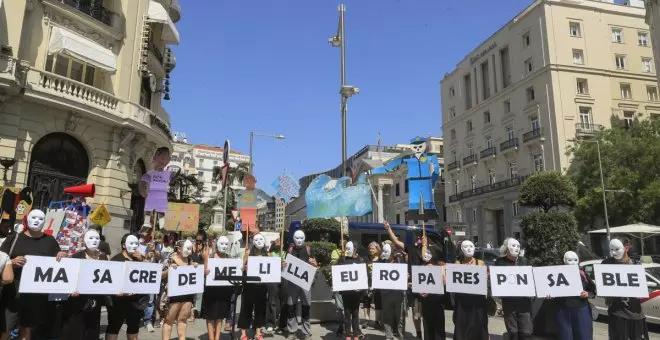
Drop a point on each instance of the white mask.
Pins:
(427, 256)
(617, 250)
(187, 248)
(571, 258)
(349, 249)
(36, 219)
(418, 149)
(514, 247)
(92, 240)
(467, 247)
(222, 244)
(386, 253)
(299, 238)
(131, 244)
(259, 241)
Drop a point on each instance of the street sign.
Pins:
(225, 152)
(239, 225)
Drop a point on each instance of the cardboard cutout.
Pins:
(246, 202)
(158, 184)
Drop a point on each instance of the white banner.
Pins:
(618, 280)
(389, 276)
(466, 279)
(510, 281)
(100, 277)
(268, 268)
(223, 267)
(349, 277)
(184, 280)
(42, 274)
(299, 272)
(142, 278)
(558, 281)
(428, 280)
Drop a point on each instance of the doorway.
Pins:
(499, 225)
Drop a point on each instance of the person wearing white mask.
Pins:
(391, 300)
(626, 319)
(176, 308)
(517, 310)
(216, 301)
(27, 310)
(296, 294)
(254, 298)
(351, 298)
(470, 311)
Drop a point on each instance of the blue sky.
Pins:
(266, 66)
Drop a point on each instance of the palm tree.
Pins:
(235, 174)
(184, 188)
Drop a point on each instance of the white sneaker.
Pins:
(269, 329)
(150, 327)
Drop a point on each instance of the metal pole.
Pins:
(344, 98)
(251, 140)
(224, 209)
(602, 187)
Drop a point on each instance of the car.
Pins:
(650, 306)
(488, 255)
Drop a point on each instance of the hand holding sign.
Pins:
(349, 277)
(466, 279)
(223, 267)
(268, 268)
(390, 276)
(46, 274)
(185, 280)
(512, 281)
(616, 280)
(100, 277)
(427, 280)
(558, 281)
(142, 278)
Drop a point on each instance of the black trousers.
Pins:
(253, 306)
(274, 304)
(391, 312)
(351, 313)
(433, 314)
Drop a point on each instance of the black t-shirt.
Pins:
(518, 304)
(45, 245)
(627, 308)
(81, 255)
(576, 301)
(300, 252)
(121, 258)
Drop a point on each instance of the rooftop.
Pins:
(215, 148)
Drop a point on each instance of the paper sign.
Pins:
(427, 279)
(184, 280)
(269, 269)
(142, 278)
(182, 217)
(299, 272)
(619, 280)
(223, 267)
(466, 279)
(389, 276)
(286, 186)
(349, 277)
(512, 281)
(558, 281)
(42, 274)
(100, 277)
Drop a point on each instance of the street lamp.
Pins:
(252, 134)
(346, 91)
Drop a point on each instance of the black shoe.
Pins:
(340, 331)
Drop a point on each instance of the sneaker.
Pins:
(150, 327)
(269, 329)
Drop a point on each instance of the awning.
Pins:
(66, 42)
(157, 13)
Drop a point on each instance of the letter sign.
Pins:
(100, 277)
(558, 281)
(268, 268)
(620, 280)
(349, 277)
(223, 267)
(43, 274)
(141, 278)
(512, 281)
(184, 280)
(466, 279)
(389, 276)
(427, 279)
(299, 272)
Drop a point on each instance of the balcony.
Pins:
(92, 9)
(470, 159)
(68, 88)
(488, 152)
(155, 51)
(531, 135)
(587, 129)
(453, 165)
(497, 186)
(509, 144)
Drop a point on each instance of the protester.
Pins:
(198, 253)
(351, 299)
(433, 311)
(176, 308)
(517, 310)
(275, 293)
(296, 294)
(151, 251)
(216, 299)
(391, 301)
(255, 295)
(626, 319)
(372, 295)
(470, 311)
(335, 256)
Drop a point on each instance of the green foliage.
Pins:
(235, 174)
(547, 190)
(322, 252)
(321, 229)
(630, 160)
(185, 188)
(548, 236)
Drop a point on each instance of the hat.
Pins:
(418, 140)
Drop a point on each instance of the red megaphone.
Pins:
(86, 190)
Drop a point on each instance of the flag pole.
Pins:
(421, 214)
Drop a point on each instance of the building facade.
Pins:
(81, 86)
(558, 71)
(207, 157)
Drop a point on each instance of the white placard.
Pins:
(142, 277)
(620, 280)
(100, 277)
(558, 281)
(268, 268)
(427, 279)
(466, 279)
(42, 274)
(392, 276)
(512, 281)
(299, 272)
(349, 277)
(223, 267)
(184, 280)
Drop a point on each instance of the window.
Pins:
(629, 118)
(536, 124)
(530, 94)
(459, 216)
(468, 126)
(578, 57)
(491, 176)
(529, 66)
(201, 162)
(617, 35)
(452, 135)
(454, 156)
(71, 68)
(526, 40)
(406, 188)
(507, 106)
(514, 208)
(538, 162)
(647, 65)
(470, 148)
(652, 93)
(489, 142)
(452, 112)
(397, 190)
(214, 188)
(398, 219)
(215, 162)
(513, 170)
(620, 61)
(585, 117)
(582, 86)
(474, 215)
(510, 135)
(485, 80)
(473, 181)
(504, 59)
(626, 91)
(200, 174)
(487, 117)
(655, 116)
(574, 29)
(451, 92)
(467, 83)
(643, 38)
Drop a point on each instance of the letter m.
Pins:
(40, 276)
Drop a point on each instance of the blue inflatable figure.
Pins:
(423, 173)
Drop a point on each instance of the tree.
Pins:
(321, 230)
(630, 159)
(234, 175)
(548, 189)
(185, 188)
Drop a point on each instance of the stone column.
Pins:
(381, 218)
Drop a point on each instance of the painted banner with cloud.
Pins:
(327, 197)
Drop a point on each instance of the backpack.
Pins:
(309, 253)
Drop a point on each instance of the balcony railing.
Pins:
(453, 165)
(509, 144)
(587, 128)
(531, 135)
(92, 8)
(497, 186)
(65, 87)
(470, 159)
(488, 152)
(156, 52)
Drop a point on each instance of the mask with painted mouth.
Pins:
(617, 250)
(132, 243)
(222, 244)
(570, 257)
(299, 238)
(386, 253)
(467, 247)
(35, 220)
(513, 247)
(92, 240)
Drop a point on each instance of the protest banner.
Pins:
(616, 280)
(182, 217)
(349, 277)
(299, 272)
(142, 278)
(389, 276)
(558, 281)
(512, 281)
(223, 267)
(100, 277)
(43, 274)
(466, 279)
(427, 280)
(286, 186)
(268, 268)
(184, 280)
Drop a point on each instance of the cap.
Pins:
(418, 140)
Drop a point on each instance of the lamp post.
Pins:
(252, 134)
(602, 188)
